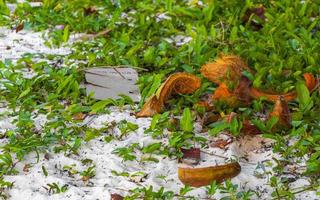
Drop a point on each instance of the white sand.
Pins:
(30, 184)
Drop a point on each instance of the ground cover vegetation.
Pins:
(279, 40)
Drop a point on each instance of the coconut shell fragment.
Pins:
(225, 69)
(222, 93)
(282, 112)
(150, 108)
(240, 96)
(311, 83)
(256, 94)
(197, 177)
(178, 83)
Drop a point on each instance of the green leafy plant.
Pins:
(54, 188)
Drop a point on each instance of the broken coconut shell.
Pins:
(240, 96)
(178, 83)
(282, 112)
(222, 93)
(197, 177)
(256, 94)
(150, 108)
(311, 83)
(225, 69)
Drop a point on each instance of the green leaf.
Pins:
(98, 106)
(154, 121)
(91, 134)
(186, 122)
(66, 34)
(271, 122)
(24, 93)
(235, 126)
(303, 95)
(217, 127)
(258, 123)
(45, 172)
(151, 148)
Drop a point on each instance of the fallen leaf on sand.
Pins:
(190, 156)
(197, 177)
(249, 129)
(20, 27)
(221, 143)
(115, 196)
(79, 116)
(178, 83)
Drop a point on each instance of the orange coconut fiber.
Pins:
(239, 96)
(225, 69)
(282, 112)
(311, 83)
(222, 93)
(178, 83)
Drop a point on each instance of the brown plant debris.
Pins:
(198, 177)
(178, 83)
(311, 83)
(282, 112)
(226, 69)
(191, 156)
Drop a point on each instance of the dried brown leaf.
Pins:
(115, 196)
(20, 27)
(221, 143)
(191, 156)
(79, 116)
(259, 12)
(249, 129)
(242, 92)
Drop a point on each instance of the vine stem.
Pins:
(296, 192)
